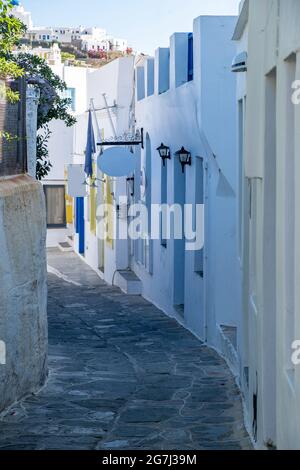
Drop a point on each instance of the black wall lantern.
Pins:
(185, 157)
(164, 153)
(130, 186)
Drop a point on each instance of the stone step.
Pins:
(128, 282)
(65, 247)
(228, 346)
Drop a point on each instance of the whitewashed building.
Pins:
(185, 98)
(88, 38)
(52, 54)
(23, 15)
(269, 113)
(61, 154)
(67, 146)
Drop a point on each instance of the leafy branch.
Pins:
(11, 31)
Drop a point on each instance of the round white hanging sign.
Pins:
(116, 162)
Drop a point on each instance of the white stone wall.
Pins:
(23, 288)
(272, 228)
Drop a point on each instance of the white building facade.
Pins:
(185, 98)
(268, 32)
(177, 104)
(108, 91)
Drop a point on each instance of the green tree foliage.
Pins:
(67, 56)
(11, 31)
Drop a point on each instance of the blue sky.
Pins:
(146, 24)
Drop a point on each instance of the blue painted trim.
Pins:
(191, 57)
(80, 223)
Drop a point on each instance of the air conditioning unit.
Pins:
(240, 63)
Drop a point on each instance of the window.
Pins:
(70, 94)
(190, 57)
(199, 199)
(55, 206)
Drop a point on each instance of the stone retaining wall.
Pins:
(23, 288)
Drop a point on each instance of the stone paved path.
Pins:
(123, 376)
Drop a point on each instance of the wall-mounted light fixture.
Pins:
(164, 152)
(240, 63)
(130, 186)
(185, 157)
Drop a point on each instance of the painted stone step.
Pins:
(228, 346)
(65, 246)
(128, 282)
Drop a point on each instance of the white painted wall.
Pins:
(115, 80)
(199, 115)
(61, 143)
(271, 237)
(243, 220)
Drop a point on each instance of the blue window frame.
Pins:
(191, 57)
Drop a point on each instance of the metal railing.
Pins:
(13, 143)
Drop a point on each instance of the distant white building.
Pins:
(23, 15)
(52, 54)
(91, 38)
(117, 44)
(40, 34)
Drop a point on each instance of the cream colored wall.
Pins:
(23, 288)
(273, 36)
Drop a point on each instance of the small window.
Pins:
(191, 57)
(55, 206)
(70, 94)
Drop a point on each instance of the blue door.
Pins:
(80, 222)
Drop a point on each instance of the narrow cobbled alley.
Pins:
(122, 376)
